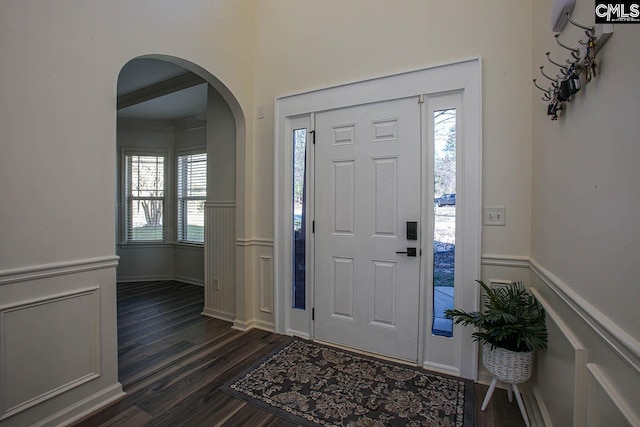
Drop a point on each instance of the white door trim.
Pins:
(463, 77)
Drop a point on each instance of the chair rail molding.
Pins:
(499, 260)
(220, 204)
(42, 271)
(255, 241)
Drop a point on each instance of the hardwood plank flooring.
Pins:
(172, 361)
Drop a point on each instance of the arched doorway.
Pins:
(196, 114)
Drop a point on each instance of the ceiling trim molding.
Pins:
(145, 124)
(157, 90)
(191, 123)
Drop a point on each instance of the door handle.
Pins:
(409, 252)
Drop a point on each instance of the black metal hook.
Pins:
(563, 68)
(539, 87)
(574, 62)
(553, 62)
(591, 29)
(554, 82)
(574, 51)
(547, 92)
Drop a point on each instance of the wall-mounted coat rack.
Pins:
(576, 71)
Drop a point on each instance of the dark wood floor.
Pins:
(172, 360)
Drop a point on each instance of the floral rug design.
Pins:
(313, 384)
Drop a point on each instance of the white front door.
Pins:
(367, 180)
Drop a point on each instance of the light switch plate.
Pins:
(494, 215)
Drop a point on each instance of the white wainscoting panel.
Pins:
(590, 373)
(560, 391)
(259, 282)
(61, 330)
(260, 252)
(606, 407)
(618, 340)
(220, 246)
(266, 283)
(58, 341)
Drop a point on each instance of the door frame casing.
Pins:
(462, 77)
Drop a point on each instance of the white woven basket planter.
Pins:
(508, 366)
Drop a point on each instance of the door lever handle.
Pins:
(409, 252)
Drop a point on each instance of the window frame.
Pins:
(124, 175)
(180, 227)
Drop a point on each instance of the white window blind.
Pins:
(145, 191)
(192, 194)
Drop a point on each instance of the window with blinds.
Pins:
(145, 192)
(192, 194)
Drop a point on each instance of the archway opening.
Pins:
(180, 191)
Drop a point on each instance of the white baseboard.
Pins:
(129, 279)
(485, 378)
(253, 324)
(85, 407)
(189, 280)
(219, 314)
(539, 415)
(263, 325)
(440, 368)
(240, 325)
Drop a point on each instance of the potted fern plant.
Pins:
(510, 327)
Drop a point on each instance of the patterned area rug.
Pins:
(312, 384)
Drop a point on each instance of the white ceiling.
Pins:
(141, 73)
